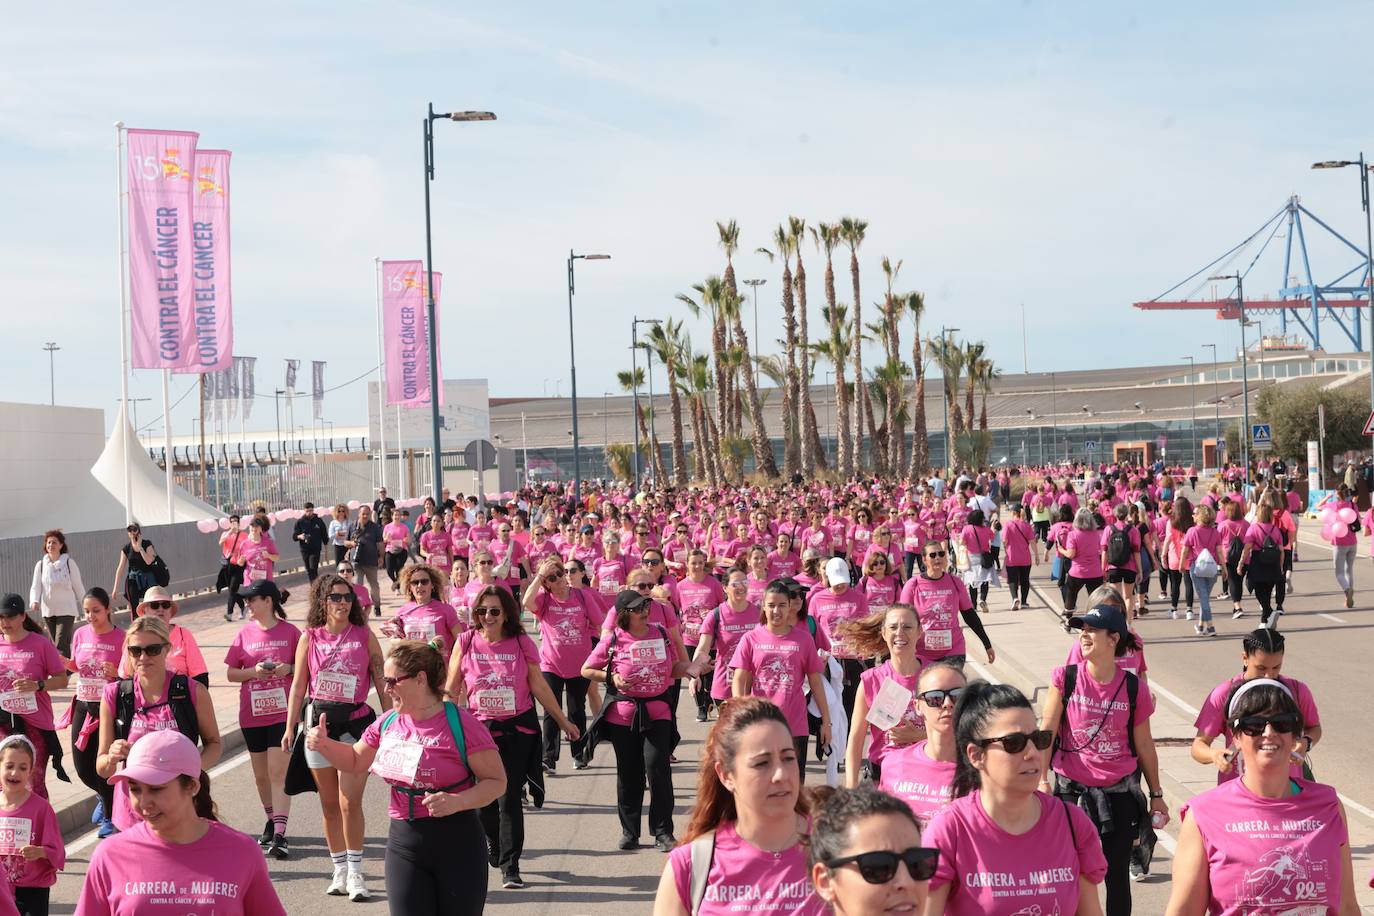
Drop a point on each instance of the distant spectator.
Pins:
(57, 590)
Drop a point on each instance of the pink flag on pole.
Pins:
(210, 276)
(161, 217)
(405, 332)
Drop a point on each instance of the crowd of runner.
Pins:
(821, 631)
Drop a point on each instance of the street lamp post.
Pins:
(432, 334)
(1216, 403)
(755, 284)
(1368, 251)
(1244, 370)
(944, 342)
(51, 347)
(572, 368)
(281, 473)
(1192, 403)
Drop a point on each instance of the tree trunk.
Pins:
(860, 400)
(791, 455)
(679, 447)
(897, 428)
(764, 459)
(643, 440)
(844, 445)
(808, 415)
(701, 449)
(659, 475)
(920, 442)
(713, 433)
(813, 433)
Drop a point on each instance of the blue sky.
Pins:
(1074, 157)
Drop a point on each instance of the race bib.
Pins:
(939, 639)
(496, 701)
(461, 543)
(889, 705)
(420, 630)
(440, 560)
(649, 650)
(334, 687)
(397, 759)
(18, 702)
(691, 631)
(911, 545)
(15, 834)
(267, 701)
(256, 573)
(609, 588)
(88, 689)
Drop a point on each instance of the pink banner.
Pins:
(210, 283)
(161, 214)
(405, 333)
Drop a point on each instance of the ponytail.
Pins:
(204, 804)
(979, 702)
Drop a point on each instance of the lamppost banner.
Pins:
(405, 332)
(161, 229)
(210, 284)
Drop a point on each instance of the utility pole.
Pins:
(52, 348)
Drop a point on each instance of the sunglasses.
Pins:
(420, 582)
(650, 562)
(643, 586)
(555, 575)
(936, 698)
(1286, 723)
(338, 597)
(881, 867)
(484, 562)
(936, 554)
(1016, 742)
(152, 651)
(159, 605)
(391, 682)
(346, 572)
(487, 612)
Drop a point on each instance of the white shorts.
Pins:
(316, 761)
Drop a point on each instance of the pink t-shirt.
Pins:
(1087, 562)
(646, 664)
(754, 588)
(1017, 536)
(938, 603)
(872, 681)
(830, 610)
(609, 576)
(1212, 719)
(780, 665)
(727, 549)
(926, 785)
(395, 536)
(90, 653)
(726, 629)
(1131, 535)
(256, 565)
(36, 819)
(881, 591)
(1204, 537)
(149, 716)
(339, 667)
(497, 674)
(567, 630)
(1095, 748)
(138, 874)
(438, 546)
(35, 657)
(423, 755)
(263, 702)
(695, 601)
(1271, 855)
(783, 565)
(993, 873)
(429, 621)
(746, 880)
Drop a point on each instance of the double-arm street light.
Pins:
(1244, 369)
(1216, 403)
(1368, 250)
(432, 334)
(1192, 402)
(572, 369)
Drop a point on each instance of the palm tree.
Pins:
(887, 449)
(656, 453)
(713, 295)
(949, 356)
(796, 230)
(783, 242)
(631, 380)
(852, 232)
(987, 374)
(728, 233)
(827, 237)
(920, 442)
(665, 339)
(697, 384)
(973, 352)
(764, 459)
(620, 460)
(886, 378)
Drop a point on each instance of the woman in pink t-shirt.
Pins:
(426, 617)
(569, 620)
(436, 546)
(721, 631)
(1005, 848)
(888, 690)
(30, 666)
(1203, 559)
(435, 859)
(259, 553)
(495, 673)
(1266, 577)
(96, 649)
(1266, 842)
(1081, 549)
(922, 774)
(185, 656)
(750, 814)
(396, 543)
(31, 847)
(879, 582)
(1022, 550)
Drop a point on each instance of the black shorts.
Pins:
(1120, 575)
(262, 738)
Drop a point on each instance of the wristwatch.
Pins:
(43, 685)
(1156, 794)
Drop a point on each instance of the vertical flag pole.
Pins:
(126, 431)
(381, 378)
(402, 479)
(167, 443)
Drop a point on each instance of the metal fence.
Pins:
(312, 478)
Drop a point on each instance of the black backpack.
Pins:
(1070, 682)
(1268, 559)
(1119, 547)
(178, 697)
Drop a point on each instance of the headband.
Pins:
(19, 741)
(1250, 685)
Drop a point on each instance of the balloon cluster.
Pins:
(1336, 522)
(209, 525)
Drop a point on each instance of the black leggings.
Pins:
(32, 901)
(1235, 582)
(503, 820)
(1116, 847)
(1264, 591)
(978, 593)
(233, 600)
(85, 760)
(436, 865)
(853, 671)
(1018, 580)
(1073, 585)
(635, 757)
(577, 712)
(394, 562)
(1177, 576)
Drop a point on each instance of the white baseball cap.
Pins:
(836, 571)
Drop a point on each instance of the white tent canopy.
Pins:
(148, 482)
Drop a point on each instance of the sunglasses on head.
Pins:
(936, 698)
(391, 682)
(1285, 723)
(881, 867)
(1016, 742)
(152, 651)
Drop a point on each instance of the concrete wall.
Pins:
(46, 455)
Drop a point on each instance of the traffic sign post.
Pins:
(1261, 437)
(1369, 425)
(1089, 445)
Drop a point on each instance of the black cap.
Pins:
(1102, 617)
(630, 600)
(261, 588)
(12, 605)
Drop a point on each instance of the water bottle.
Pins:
(1158, 820)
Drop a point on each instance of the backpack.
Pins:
(179, 697)
(1119, 547)
(703, 850)
(1268, 558)
(1132, 692)
(1233, 551)
(455, 727)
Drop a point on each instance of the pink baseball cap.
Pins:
(160, 757)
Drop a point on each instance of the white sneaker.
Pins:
(1173, 615)
(1237, 614)
(1188, 615)
(336, 887)
(1198, 629)
(1015, 604)
(983, 607)
(357, 888)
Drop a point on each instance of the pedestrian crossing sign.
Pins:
(1261, 436)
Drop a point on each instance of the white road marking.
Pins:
(1332, 617)
(1172, 697)
(90, 839)
(983, 672)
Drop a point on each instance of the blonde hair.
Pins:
(1205, 513)
(865, 635)
(146, 624)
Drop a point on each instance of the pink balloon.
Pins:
(354, 504)
(1340, 529)
(1327, 515)
(1327, 533)
(1347, 515)
(224, 524)
(206, 525)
